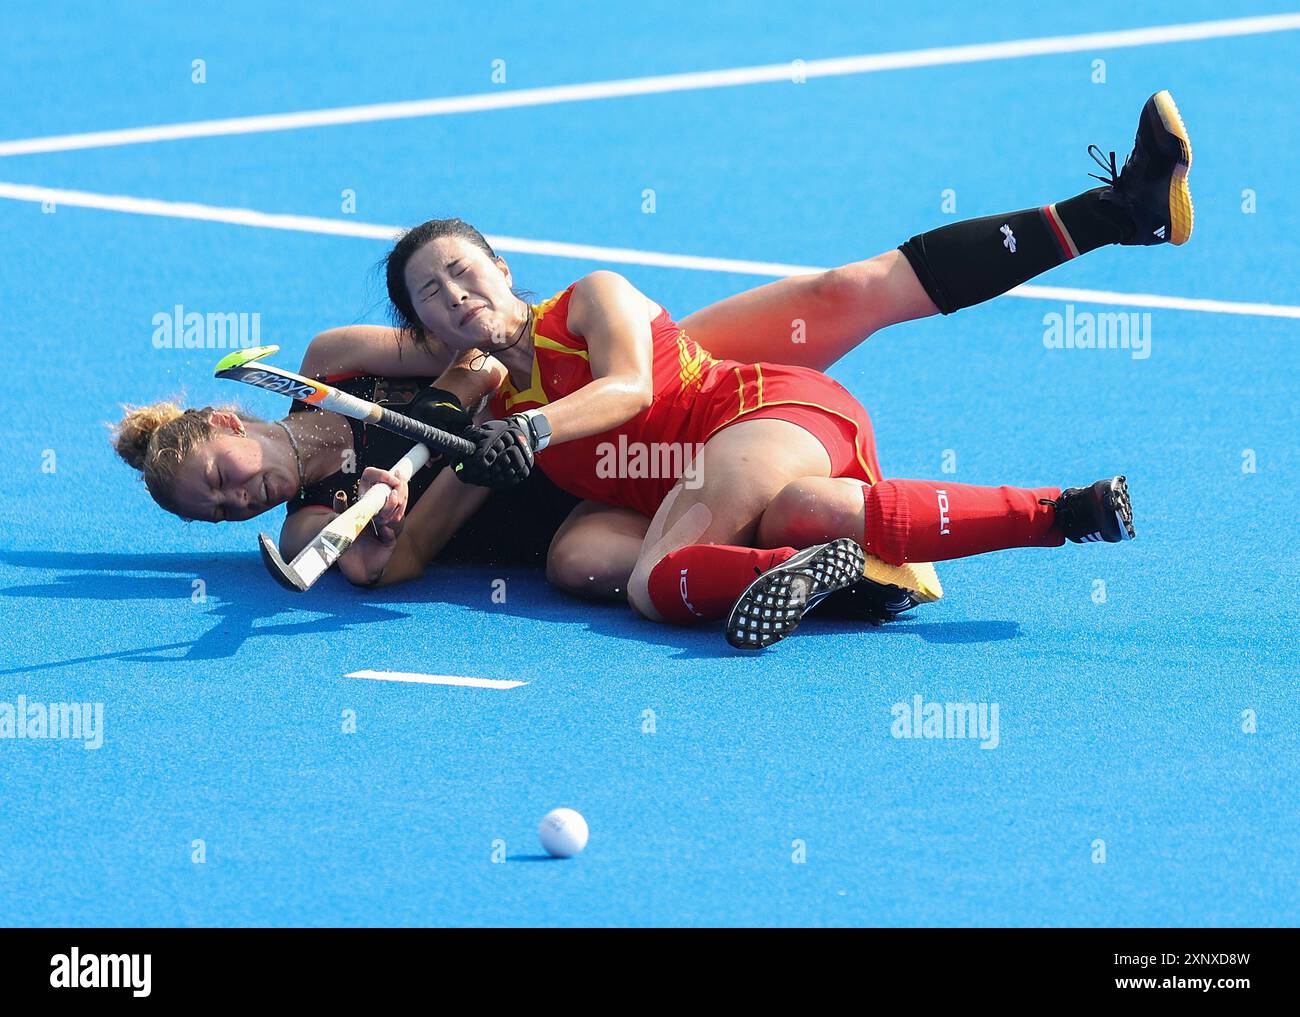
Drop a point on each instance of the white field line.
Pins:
(659, 84)
(583, 252)
(435, 679)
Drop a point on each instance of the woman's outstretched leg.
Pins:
(813, 320)
(767, 494)
(902, 521)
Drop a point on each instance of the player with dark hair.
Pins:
(790, 487)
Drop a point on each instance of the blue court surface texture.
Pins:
(1145, 769)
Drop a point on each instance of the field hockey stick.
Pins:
(240, 366)
(314, 560)
(339, 534)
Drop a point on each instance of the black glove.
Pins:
(441, 409)
(503, 456)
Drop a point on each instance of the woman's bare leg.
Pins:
(594, 551)
(813, 510)
(812, 320)
(742, 469)
(961, 263)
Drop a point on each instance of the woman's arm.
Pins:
(373, 349)
(471, 377)
(361, 564)
(300, 528)
(614, 317)
(427, 528)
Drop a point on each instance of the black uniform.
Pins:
(513, 527)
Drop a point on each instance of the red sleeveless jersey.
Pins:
(636, 464)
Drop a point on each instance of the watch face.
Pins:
(541, 428)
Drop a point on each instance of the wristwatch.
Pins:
(539, 427)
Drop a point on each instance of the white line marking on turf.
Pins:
(658, 84)
(1156, 300)
(192, 210)
(435, 679)
(585, 252)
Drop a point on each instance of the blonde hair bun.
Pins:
(131, 437)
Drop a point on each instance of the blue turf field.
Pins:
(1120, 721)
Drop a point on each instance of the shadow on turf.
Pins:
(955, 631)
(240, 596)
(467, 587)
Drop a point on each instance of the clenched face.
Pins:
(231, 477)
(462, 296)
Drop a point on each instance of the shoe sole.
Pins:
(1123, 508)
(1182, 215)
(764, 614)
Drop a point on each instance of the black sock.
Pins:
(976, 260)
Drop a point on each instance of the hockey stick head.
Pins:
(242, 365)
(239, 358)
(281, 571)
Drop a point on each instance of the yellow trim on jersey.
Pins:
(539, 310)
(742, 381)
(690, 366)
(740, 394)
(535, 392)
(542, 343)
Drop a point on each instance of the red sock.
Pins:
(704, 581)
(920, 520)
